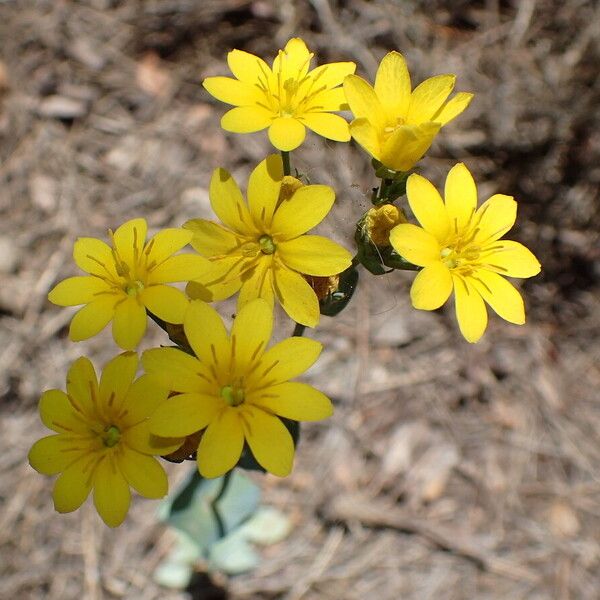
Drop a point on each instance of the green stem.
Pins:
(213, 504)
(285, 157)
(298, 330)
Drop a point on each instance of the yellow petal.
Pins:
(293, 61)
(143, 396)
(183, 267)
(460, 195)
(144, 474)
(221, 445)
(304, 210)
(212, 292)
(501, 295)
(332, 74)
(51, 454)
(297, 401)
(94, 256)
(167, 303)
(296, 296)
(246, 119)
(432, 287)
(184, 414)
(116, 379)
(286, 133)
(428, 97)
(166, 243)
(453, 108)
(415, 244)
(286, 360)
(328, 100)
(72, 487)
(207, 335)
(250, 334)
(92, 318)
(470, 309)
(513, 259)
(363, 101)
(428, 207)
(366, 136)
(258, 283)
(176, 370)
(269, 440)
(227, 202)
(392, 85)
(247, 67)
(130, 239)
(232, 91)
(494, 218)
(129, 324)
(332, 127)
(111, 493)
(58, 414)
(140, 439)
(264, 186)
(407, 145)
(81, 386)
(77, 290)
(211, 239)
(314, 255)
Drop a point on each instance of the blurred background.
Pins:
(448, 471)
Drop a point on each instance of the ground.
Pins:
(449, 470)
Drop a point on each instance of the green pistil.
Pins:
(111, 436)
(232, 395)
(266, 244)
(133, 287)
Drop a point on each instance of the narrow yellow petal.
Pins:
(264, 186)
(428, 97)
(183, 267)
(144, 474)
(314, 255)
(247, 67)
(116, 379)
(293, 61)
(513, 259)
(258, 283)
(167, 303)
(494, 218)
(365, 134)
(453, 108)
(143, 396)
(297, 401)
(212, 292)
(176, 370)
(48, 455)
(470, 309)
(332, 74)
(407, 145)
(415, 244)
(207, 335)
(140, 439)
(92, 318)
(392, 85)
(72, 487)
(232, 91)
(286, 133)
(227, 202)
(94, 256)
(129, 324)
(460, 195)
(58, 414)
(82, 385)
(296, 296)
(363, 101)
(328, 100)
(77, 290)
(304, 210)
(221, 445)
(269, 440)
(111, 493)
(211, 239)
(428, 207)
(166, 243)
(432, 287)
(501, 295)
(332, 127)
(246, 119)
(130, 239)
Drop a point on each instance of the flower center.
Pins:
(390, 129)
(233, 395)
(266, 244)
(111, 436)
(459, 256)
(132, 288)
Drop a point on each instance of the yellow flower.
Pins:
(235, 389)
(285, 98)
(102, 438)
(459, 247)
(393, 124)
(127, 278)
(262, 250)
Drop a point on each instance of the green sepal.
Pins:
(335, 302)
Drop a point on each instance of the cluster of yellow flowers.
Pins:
(217, 395)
